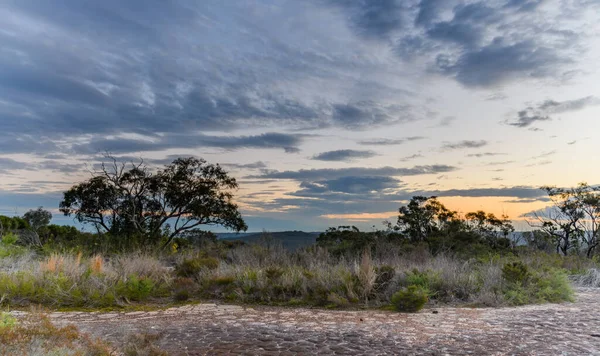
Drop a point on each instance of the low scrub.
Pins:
(272, 275)
(36, 335)
(410, 299)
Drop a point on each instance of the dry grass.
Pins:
(590, 279)
(259, 274)
(36, 335)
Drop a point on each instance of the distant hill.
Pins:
(291, 240)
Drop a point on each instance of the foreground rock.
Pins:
(210, 329)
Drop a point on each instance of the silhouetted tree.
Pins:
(129, 199)
(423, 217)
(574, 218)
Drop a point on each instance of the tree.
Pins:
(423, 217)
(38, 218)
(573, 220)
(490, 227)
(129, 199)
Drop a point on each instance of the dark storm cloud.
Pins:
(343, 155)
(287, 142)
(331, 173)
(464, 144)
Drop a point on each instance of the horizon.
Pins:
(327, 112)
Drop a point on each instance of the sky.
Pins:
(327, 112)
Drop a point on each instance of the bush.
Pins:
(7, 321)
(182, 287)
(385, 276)
(10, 239)
(135, 288)
(515, 272)
(524, 285)
(192, 266)
(410, 299)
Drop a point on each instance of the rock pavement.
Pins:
(212, 329)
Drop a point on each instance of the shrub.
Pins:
(135, 288)
(7, 321)
(9, 239)
(336, 300)
(410, 299)
(182, 287)
(273, 273)
(385, 275)
(192, 266)
(515, 272)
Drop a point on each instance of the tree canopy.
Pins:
(38, 218)
(127, 199)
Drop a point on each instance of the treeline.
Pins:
(129, 206)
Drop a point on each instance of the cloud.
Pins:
(518, 192)
(446, 121)
(331, 173)
(500, 163)
(459, 33)
(348, 184)
(377, 195)
(464, 144)
(486, 154)
(500, 62)
(369, 113)
(343, 155)
(430, 10)
(272, 140)
(557, 107)
(255, 165)
(525, 119)
(374, 19)
(389, 141)
(411, 157)
(543, 110)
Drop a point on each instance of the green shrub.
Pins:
(515, 272)
(7, 321)
(410, 299)
(192, 266)
(135, 288)
(9, 239)
(554, 287)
